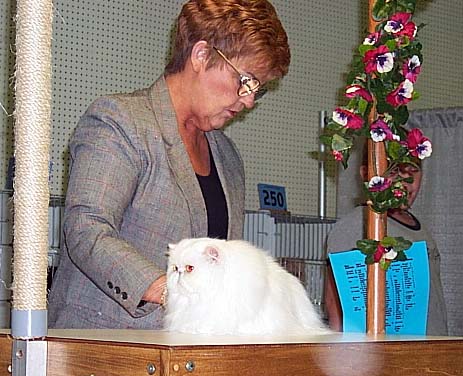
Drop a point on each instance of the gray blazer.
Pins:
(132, 190)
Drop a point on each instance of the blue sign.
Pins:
(272, 197)
(407, 291)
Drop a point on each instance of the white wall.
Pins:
(103, 46)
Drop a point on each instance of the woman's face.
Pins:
(406, 171)
(217, 101)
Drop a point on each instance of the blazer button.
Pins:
(117, 290)
(110, 285)
(124, 295)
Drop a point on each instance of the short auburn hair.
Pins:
(239, 28)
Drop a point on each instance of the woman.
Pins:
(153, 167)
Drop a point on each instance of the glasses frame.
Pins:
(246, 79)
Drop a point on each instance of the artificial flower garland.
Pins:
(382, 79)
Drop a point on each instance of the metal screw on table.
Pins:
(190, 366)
(151, 369)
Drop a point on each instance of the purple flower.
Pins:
(412, 68)
(378, 60)
(379, 184)
(418, 145)
(357, 90)
(380, 131)
(401, 95)
(347, 119)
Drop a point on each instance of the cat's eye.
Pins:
(175, 268)
(189, 268)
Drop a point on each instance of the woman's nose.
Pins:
(248, 100)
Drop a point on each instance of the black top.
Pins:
(216, 204)
(415, 227)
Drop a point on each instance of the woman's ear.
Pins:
(200, 55)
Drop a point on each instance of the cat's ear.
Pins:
(212, 254)
(171, 246)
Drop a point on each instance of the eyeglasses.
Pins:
(248, 83)
(404, 168)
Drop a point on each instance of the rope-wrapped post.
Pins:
(32, 145)
(376, 226)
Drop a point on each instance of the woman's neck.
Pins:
(403, 216)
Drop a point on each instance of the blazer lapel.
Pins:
(177, 156)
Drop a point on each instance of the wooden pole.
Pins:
(376, 226)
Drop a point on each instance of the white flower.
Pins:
(391, 254)
(339, 118)
(407, 89)
(385, 62)
(414, 62)
(424, 150)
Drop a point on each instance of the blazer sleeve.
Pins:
(105, 164)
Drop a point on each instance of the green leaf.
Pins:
(401, 115)
(388, 241)
(340, 143)
(325, 139)
(402, 244)
(391, 44)
(367, 246)
(381, 10)
(401, 256)
(394, 150)
(362, 106)
(369, 260)
(384, 264)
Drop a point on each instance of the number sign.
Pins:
(272, 197)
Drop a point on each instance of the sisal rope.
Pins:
(32, 144)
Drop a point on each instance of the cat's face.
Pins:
(194, 266)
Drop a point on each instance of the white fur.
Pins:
(234, 288)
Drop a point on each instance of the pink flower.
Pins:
(380, 131)
(398, 193)
(387, 253)
(357, 90)
(408, 31)
(378, 60)
(418, 145)
(337, 155)
(380, 251)
(401, 95)
(400, 25)
(412, 68)
(372, 38)
(347, 119)
(379, 184)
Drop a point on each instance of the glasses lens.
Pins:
(260, 93)
(248, 86)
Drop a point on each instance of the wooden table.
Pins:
(135, 353)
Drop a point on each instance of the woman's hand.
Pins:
(157, 291)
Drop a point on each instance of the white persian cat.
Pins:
(231, 287)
